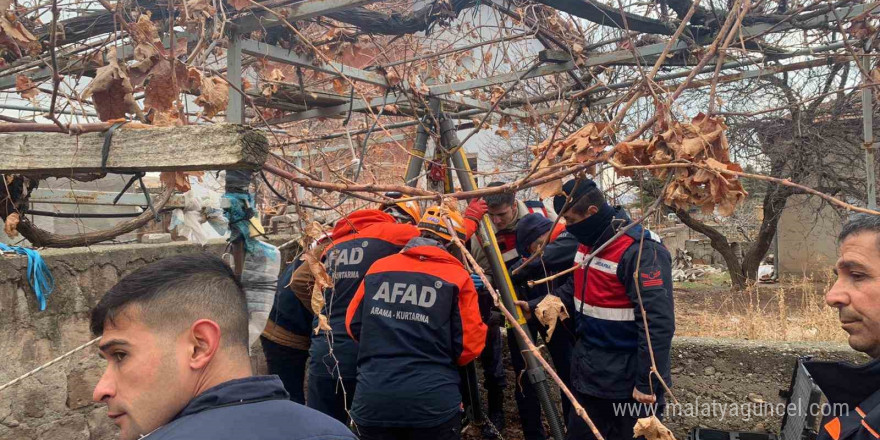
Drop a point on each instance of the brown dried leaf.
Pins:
(240, 4)
(503, 133)
(178, 179)
(652, 429)
(143, 31)
(161, 91)
(16, 31)
(322, 281)
(11, 226)
(26, 88)
(214, 97)
(550, 311)
(549, 189)
(111, 91)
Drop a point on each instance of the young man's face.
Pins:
(502, 216)
(856, 293)
(143, 385)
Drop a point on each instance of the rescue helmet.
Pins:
(434, 223)
(403, 212)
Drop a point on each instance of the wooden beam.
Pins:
(61, 196)
(260, 19)
(190, 147)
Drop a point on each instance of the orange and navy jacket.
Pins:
(611, 356)
(358, 241)
(853, 393)
(416, 317)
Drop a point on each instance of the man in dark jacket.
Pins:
(174, 334)
(416, 316)
(611, 362)
(557, 256)
(854, 390)
(287, 336)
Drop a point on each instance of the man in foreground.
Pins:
(416, 316)
(174, 334)
(856, 296)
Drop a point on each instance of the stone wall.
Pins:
(56, 402)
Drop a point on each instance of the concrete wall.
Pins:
(56, 402)
(807, 236)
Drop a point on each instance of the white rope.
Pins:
(48, 364)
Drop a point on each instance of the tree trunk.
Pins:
(719, 242)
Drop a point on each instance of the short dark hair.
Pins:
(500, 199)
(176, 291)
(593, 197)
(859, 223)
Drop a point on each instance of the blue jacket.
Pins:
(250, 408)
(611, 355)
(290, 322)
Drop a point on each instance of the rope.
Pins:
(38, 275)
(47, 364)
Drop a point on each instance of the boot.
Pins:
(494, 426)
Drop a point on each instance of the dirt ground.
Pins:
(791, 310)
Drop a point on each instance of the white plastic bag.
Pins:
(259, 278)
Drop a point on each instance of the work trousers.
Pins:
(449, 430)
(326, 395)
(614, 418)
(289, 364)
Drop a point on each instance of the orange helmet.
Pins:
(403, 212)
(433, 222)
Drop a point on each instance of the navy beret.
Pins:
(530, 228)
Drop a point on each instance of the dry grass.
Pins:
(792, 310)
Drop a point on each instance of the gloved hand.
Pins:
(476, 210)
(478, 282)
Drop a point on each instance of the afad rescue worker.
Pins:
(557, 256)
(287, 336)
(174, 334)
(359, 240)
(504, 212)
(853, 391)
(416, 316)
(611, 361)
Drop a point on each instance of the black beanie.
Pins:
(584, 186)
(528, 229)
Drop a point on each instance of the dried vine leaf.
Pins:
(322, 281)
(701, 142)
(652, 429)
(240, 4)
(11, 225)
(179, 179)
(144, 31)
(26, 88)
(584, 145)
(111, 91)
(550, 311)
(15, 36)
(214, 96)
